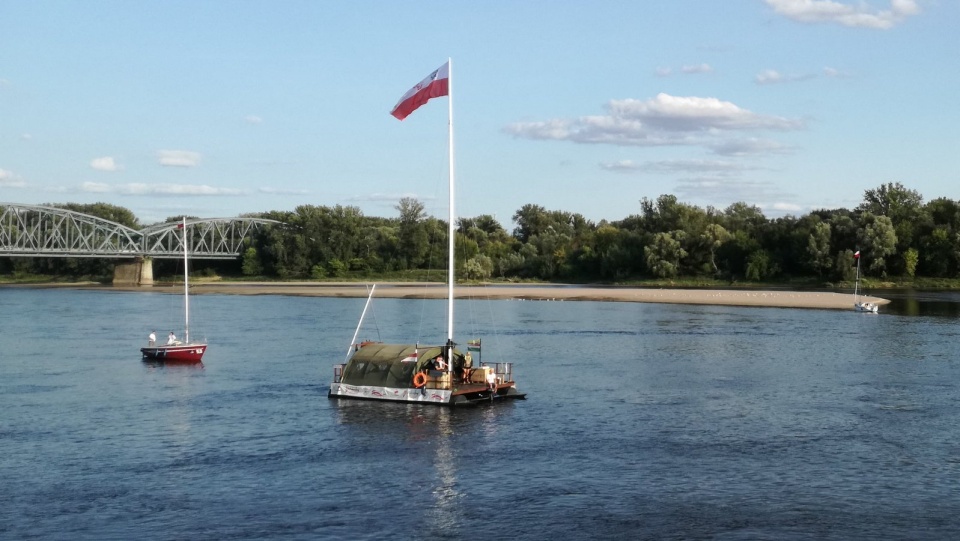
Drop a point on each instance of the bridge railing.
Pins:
(52, 232)
(42, 231)
(209, 238)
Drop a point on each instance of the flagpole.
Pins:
(450, 229)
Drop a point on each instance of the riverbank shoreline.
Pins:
(546, 292)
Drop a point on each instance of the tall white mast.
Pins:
(451, 228)
(186, 286)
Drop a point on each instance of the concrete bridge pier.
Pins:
(138, 272)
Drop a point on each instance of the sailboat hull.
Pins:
(184, 353)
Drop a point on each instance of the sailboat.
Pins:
(439, 373)
(175, 350)
(858, 305)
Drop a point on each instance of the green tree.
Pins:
(939, 252)
(910, 258)
(664, 254)
(712, 238)
(892, 200)
(478, 268)
(531, 220)
(845, 266)
(843, 230)
(818, 246)
(879, 241)
(904, 208)
(760, 266)
(743, 217)
(335, 268)
(251, 262)
(412, 238)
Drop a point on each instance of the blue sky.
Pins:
(217, 108)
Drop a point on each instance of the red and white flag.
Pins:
(435, 85)
(857, 255)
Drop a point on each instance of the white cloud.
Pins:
(689, 70)
(716, 167)
(748, 146)
(835, 73)
(4, 82)
(253, 119)
(9, 180)
(773, 76)
(26, 137)
(158, 189)
(105, 164)
(679, 113)
(860, 15)
(701, 68)
(768, 77)
(282, 191)
(178, 158)
(781, 206)
(622, 166)
(663, 120)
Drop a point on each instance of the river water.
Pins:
(642, 421)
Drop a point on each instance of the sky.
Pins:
(218, 108)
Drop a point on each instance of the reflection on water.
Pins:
(154, 364)
(921, 303)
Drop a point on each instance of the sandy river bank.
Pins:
(739, 297)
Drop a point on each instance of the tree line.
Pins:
(895, 232)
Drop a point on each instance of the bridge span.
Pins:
(43, 231)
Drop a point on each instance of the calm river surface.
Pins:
(643, 421)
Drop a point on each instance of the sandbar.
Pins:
(723, 297)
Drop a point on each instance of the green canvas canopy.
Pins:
(390, 365)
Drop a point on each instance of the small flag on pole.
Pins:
(435, 85)
(857, 255)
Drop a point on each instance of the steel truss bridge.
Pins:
(39, 231)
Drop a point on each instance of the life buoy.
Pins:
(419, 379)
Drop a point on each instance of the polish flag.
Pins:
(857, 255)
(435, 85)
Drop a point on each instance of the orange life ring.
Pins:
(419, 379)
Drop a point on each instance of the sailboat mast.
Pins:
(450, 227)
(186, 295)
(856, 284)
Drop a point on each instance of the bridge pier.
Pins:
(138, 272)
